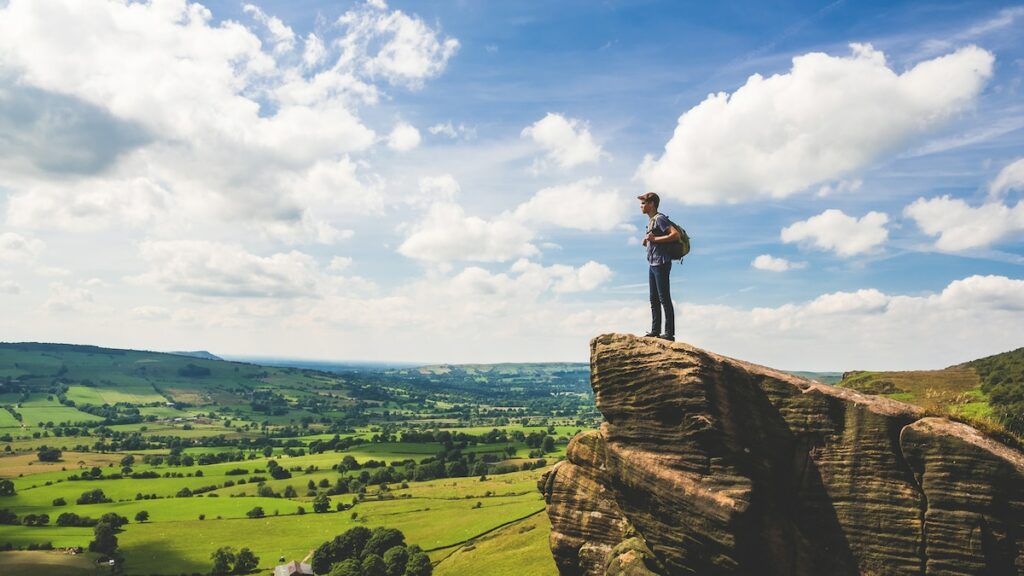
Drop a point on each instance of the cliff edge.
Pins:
(709, 465)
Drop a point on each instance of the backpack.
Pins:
(677, 250)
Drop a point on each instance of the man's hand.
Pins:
(649, 238)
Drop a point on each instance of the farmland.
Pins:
(185, 449)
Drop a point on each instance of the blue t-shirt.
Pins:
(657, 254)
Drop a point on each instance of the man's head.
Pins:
(649, 202)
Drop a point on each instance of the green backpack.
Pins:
(677, 250)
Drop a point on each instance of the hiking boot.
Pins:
(651, 334)
(668, 337)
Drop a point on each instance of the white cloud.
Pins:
(281, 35)
(827, 118)
(567, 141)
(446, 233)
(578, 206)
(9, 287)
(833, 230)
(404, 137)
(1011, 177)
(340, 263)
(962, 227)
(64, 298)
(434, 189)
(450, 130)
(408, 52)
(234, 126)
(773, 264)
(841, 187)
(861, 301)
(203, 268)
(15, 247)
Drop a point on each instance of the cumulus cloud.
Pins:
(960, 226)
(433, 189)
(452, 131)
(216, 119)
(773, 264)
(826, 119)
(1011, 177)
(845, 235)
(15, 247)
(282, 36)
(340, 263)
(65, 298)
(212, 269)
(567, 141)
(408, 52)
(9, 287)
(447, 233)
(404, 137)
(581, 205)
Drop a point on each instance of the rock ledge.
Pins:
(709, 465)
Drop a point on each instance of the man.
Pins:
(659, 233)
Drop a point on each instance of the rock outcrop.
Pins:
(709, 465)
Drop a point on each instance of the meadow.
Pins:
(450, 455)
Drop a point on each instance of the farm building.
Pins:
(294, 568)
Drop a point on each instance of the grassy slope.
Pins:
(515, 550)
(987, 393)
(931, 389)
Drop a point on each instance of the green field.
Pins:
(98, 396)
(7, 420)
(463, 487)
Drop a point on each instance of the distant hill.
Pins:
(988, 390)
(199, 354)
(67, 383)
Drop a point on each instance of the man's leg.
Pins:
(655, 301)
(665, 295)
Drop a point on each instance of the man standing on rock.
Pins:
(659, 234)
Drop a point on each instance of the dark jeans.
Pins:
(661, 297)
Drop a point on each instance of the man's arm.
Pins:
(672, 236)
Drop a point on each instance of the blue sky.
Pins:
(456, 181)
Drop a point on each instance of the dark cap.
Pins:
(650, 196)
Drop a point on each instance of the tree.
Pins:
(223, 559)
(104, 539)
(256, 512)
(395, 560)
(548, 444)
(142, 516)
(115, 520)
(289, 492)
(419, 565)
(373, 565)
(46, 454)
(246, 561)
(350, 544)
(321, 504)
(383, 539)
(92, 497)
(7, 488)
(350, 567)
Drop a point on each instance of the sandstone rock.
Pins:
(717, 466)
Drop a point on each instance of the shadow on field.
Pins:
(152, 558)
